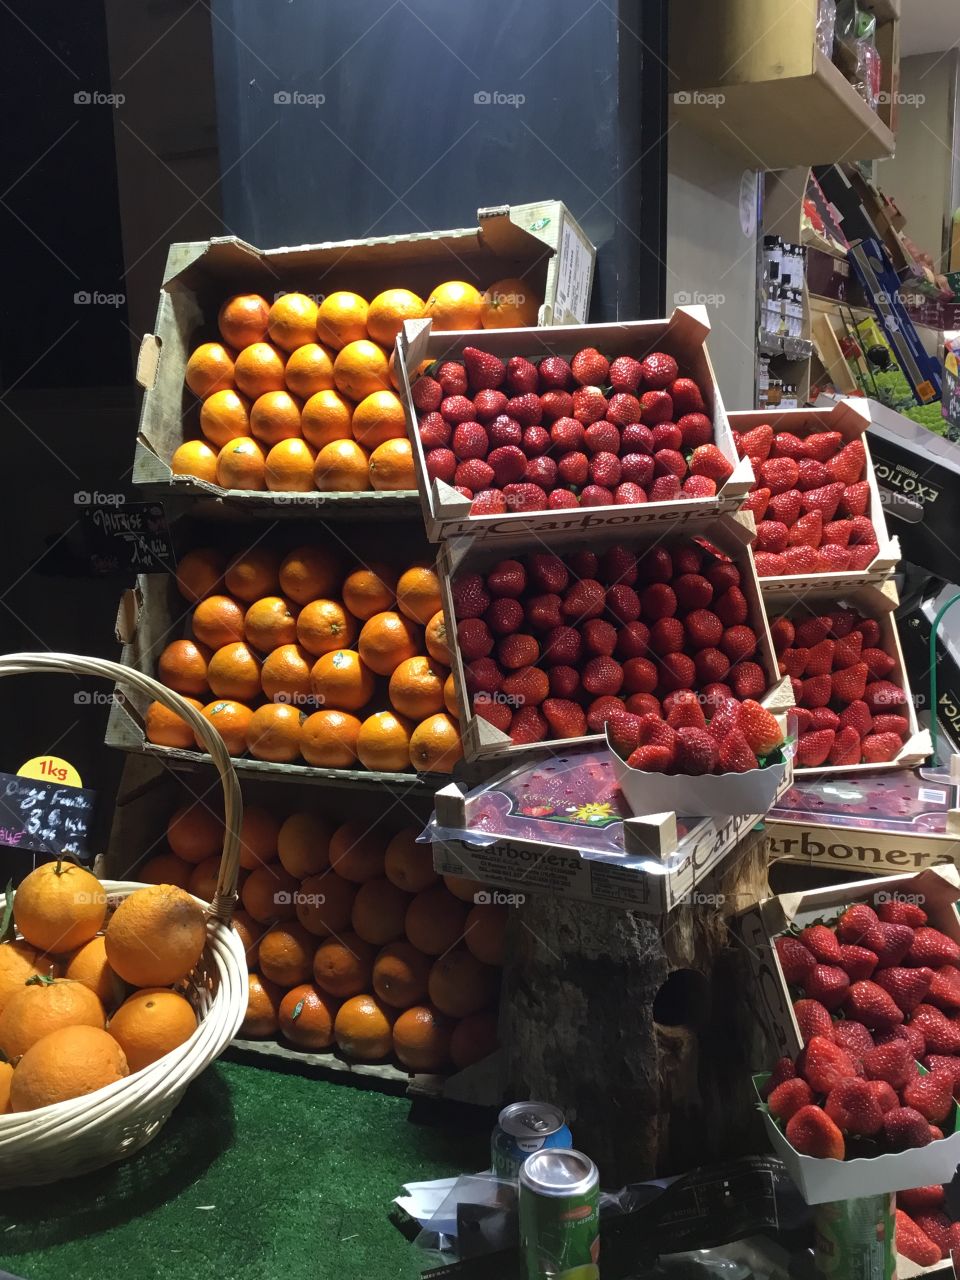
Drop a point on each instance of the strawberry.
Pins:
(890, 942)
(816, 692)
(697, 751)
(541, 471)
(555, 374)
(931, 1095)
(756, 444)
(698, 487)
(863, 557)
(507, 578)
(543, 612)
(793, 662)
(787, 445)
(504, 430)
(632, 640)
(636, 438)
(811, 474)
(912, 1035)
(892, 1062)
(879, 748)
(857, 716)
(658, 370)
(872, 1005)
(938, 1227)
(707, 460)
(601, 437)
(813, 1020)
(584, 564)
(565, 718)
(801, 560)
(811, 1132)
(504, 616)
(820, 658)
(655, 732)
(474, 474)
(547, 572)
(822, 943)
(850, 684)
(704, 629)
(853, 1107)
(667, 636)
(457, 409)
(855, 499)
(772, 536)
(637, 468)
(623, 730)
(695, 429)
(812, 630)
(807, 531)
(906, 987)
(862, 532)
(825, 500)
(677, 672)
(535, 440)
(605, 470)
(441, 464)
(945, 1065)
(434, 431)
(499, 714)
(566, 434)
(525, 409)
(847, 465)
(650, 759)
(922, 1198)
(822, 718)
(525, 497)
(426, 394)
(822, 445)
(833, 559)
(488, 404)
(599, 637)
(623, 408)
(452, 377)
(625, 494)
(488, 502)
(658, 601)
(783, 1069)
(732, 608)
(521, 376)
(827, 983)
(655, 406)
(813, 748)
(883, 1092)
(693, 591)
(664, 489)
(583, 600)
(573, 468)
(725, 717)
(879, 664)
(564, 682)
(483, 676)
(737, 757)
(847, 651)
(625, 373)
(837, 532)
(941, 1035)
(933, 948)
(779, 475)
(601, 709)
(484, 371)
(589, 367)
(685, 710)
(528, 725)
(602, 676)
(509, 463)
(747, 679)
(736, 642)
(668, 462)
(757, 502)
(912, 1242)
(899, 725)
(555, 404)
(470, 598)
(854, 1037)
(722, 575)
(785, 506)
(515, 651)
(787, 1098)
(759, 727)
(527, 686)
(685, 394)
(845, 749)
(869, 628)
(855, 923)
(858, 963)
(897, 912)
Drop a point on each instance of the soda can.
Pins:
(560, 1215)
(522, 1128)
(854, 1239)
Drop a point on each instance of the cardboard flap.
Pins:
(148, 361)
(449, 806)
(412, 341)
(654, 835)
(448, 501)
(501, 234)
(128, 614)
(692, 321)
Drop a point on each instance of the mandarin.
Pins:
(234, 672)
(275, 416)
(328, 739)
(200, 573)
(210, 368)
(195, 831)
(363, 1028)
(383, 743)
(183, 666)
(436, 640)
(435, 920)
(285, 675)
(259, 369)
(156, 936)
(231, 720)
(89, 965)
(243, 319)
(309, 370)
(68, 1063)
(203, 879)
(310, 573)
(416, 687)
(6, 1080)
(378, 912)
(43, 1005)
(292, 321)
(474, 1038)
(152, 1023)
(509, 304)
(407, 864)
(289, 467)
(388, 311)
(400, 974)
(356, 851)
(421, 1039)
(164, 868)
(268, 894)
(306, 1017)
(195, 458)
(450, 696)
(324, 903)
(360, 369)
(59, 906)
(224, 416)
(164, 728)
(253, 574)
(343, 965)
(486, 932)
(369, 589)
(463, 888)
(391, 467)
(454, 305)
(216, 621)
(326, 417)
(20, 961)
(324, 625)
(342, 318)
(342, 680)
(241, 465)
(263, 1009)
(303, 843)
(418, 593)
(460, 984)
(286, 954)
(249, 932)
(377, 418)
(435, 745)
(269, 623)
(274, 733)
(386, 640)
(341, 467)
(259, 837)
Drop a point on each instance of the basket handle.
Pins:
(15, 664)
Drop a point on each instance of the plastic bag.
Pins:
(855, 50)
(826, 26)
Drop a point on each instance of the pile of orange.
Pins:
(353, 941)
(86, 1001)
(299, 397)
(301, 657)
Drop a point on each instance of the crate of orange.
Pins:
(271, 376)
(304, 659)
(362, 959)
(114, 994)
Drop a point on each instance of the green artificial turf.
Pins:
(258, 1173)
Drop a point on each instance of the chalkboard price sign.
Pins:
(123, 536)
(44, 817)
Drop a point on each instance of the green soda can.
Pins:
(855, 1239)
(560, 1215)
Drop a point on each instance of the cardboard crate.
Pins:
(850, 418)
(732, 534)
(541, 242)
(873, 601)
(447, 513)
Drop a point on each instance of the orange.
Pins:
(486, 932)
(474, 1038)
(463, 888)
(243, 319)
(400, 974)
(217, 621)
(435, 637)
(155, 936)
(341, 467)
(240, 465)
(324, 903)
(454, 305)
(289, 467)
(342, 318)
(18, 962)
(164, 868)
(249, 933)
(200, 573)
(292, 321)
(44, 1005)
(203, 880)
(356, 852)
(286, 954)
(435, 920)
(450, 696)
(310, 573)
(391, 466)
(407, 864)
(460, 985)
(253, 574)
(89, 965)
(309, 370)
(435, 745)
(209, 369)
(418, 593)
(59, 906)
(302, 843)
(324, 625)
(378, 912)
(164, 728)
(369, 589)
(268, 894)
(421, 1039)
(195, 458)
(360, 369)
(363, 1029)
(389, 310)
(195, 831)
(379, 417)
(231, 720)
(183, 666)
(224, 416)
(416, 687)
(383, 743)
(285, 675)
(344, 965)
(509, 304)
(152, 1023)
(263, 1008)
(259, 833)
(234, 672)
(269, 623)
(69, 1063)
(326, 417)
(328, 739)
(386, 640)
(342, 680)
(274, 733)
(306, 1017)
(275, 416)
(259, 369)
(6, 1080)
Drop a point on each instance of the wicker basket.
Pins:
(86, 1133)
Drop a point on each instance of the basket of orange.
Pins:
(114, 995)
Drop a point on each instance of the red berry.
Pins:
(435, 431)
(656, 406)
(441, 464)
(504, 430)
(589, 367)
(522, 377)
(658, 370)
(695, 429)
(488, 404)
(508, 462)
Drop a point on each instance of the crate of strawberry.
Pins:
(568, 428)
(815, 498)
(548, 639)
(928, 1229)
(840, 649)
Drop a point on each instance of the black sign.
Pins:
(121, 536)
(44, 817)
(951, 394)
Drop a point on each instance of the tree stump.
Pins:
(638, 1025)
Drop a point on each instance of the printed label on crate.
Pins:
(574, 270)
(860, 851)
(125, 537)
(581, 521)
(45, 817)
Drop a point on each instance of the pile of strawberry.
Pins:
(848, 710)
(736, 737)
(810, 502)
(525, 436)
(879, 992)
(925, 1232)
(552, 646)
